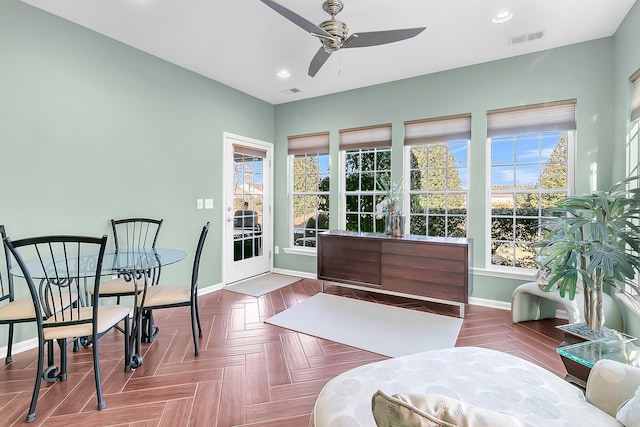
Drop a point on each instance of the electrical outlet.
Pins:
(276, 249)
(199, 204)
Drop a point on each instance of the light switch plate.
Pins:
(199, 204)
(208, 203)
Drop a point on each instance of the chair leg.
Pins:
(62, 343)
(50, 354)
(127, 344)
(195, 302)
(8, 359)
(36, 388)
(96, 372)
(151, 330)
(193, 329)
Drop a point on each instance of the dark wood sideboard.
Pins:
(427, 268)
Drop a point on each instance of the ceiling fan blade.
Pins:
(301, 22)
(318, 61)
(375, 38)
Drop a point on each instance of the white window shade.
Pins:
(315, 143)
(366, 137)
(635, 103)
(419, 132)
(546, 117)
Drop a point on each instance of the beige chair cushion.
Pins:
(160, 295)
(435, 410)
(18, 310)
(107, 317)
(21, 309)
(119, 286)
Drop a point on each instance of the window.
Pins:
(633, 167)
(366, 158)
(310, 187)
(633, 144)
(437, 151)
(530, 165)
(635, 103)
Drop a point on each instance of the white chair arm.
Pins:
(610, 384)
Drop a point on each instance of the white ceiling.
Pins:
(244, 43)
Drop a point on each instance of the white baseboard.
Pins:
(19, 347)
(482, 302)
(209, 289)
(294, 273)
(502, 305)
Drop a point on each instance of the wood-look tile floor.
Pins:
(248, 373)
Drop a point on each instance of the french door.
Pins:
(247, 233)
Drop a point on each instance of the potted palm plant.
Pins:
(392, 192)
(594, 243)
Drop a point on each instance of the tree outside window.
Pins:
(310, 197)
(529, 175)
(364, 168)
(438, 189)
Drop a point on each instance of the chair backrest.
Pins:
(135, 233)
(63, 267)
(196, 259)
(6, 287)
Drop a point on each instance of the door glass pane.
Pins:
(248, 204)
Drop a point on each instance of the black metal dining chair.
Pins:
(58, 270)
(168, 296)
(131, 234)
(12, 310)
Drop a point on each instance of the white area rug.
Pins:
(260, 285)
(378, 328)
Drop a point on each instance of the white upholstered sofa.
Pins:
(483, 380)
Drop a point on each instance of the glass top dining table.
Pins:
(133, 264)
(114, 262)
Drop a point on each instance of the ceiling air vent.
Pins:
(291, 91)
(524, 38)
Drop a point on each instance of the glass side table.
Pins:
(579, 358)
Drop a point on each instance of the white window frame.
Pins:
(633, 161)
(430, 132)
(292, 193)
(376, 193)
(444, 192)
(570, 190)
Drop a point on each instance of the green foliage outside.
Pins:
(515, 227)
(310, 199)
(364, 170)
(436, 209)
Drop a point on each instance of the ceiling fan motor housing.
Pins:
(339, 32)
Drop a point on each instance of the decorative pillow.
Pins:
(435, 410)
(629, 413)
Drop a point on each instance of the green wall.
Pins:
(595, 73)
(92, 129)
(583, 71)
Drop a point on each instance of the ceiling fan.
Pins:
(333, 34)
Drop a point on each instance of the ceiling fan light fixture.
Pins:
(502, 17)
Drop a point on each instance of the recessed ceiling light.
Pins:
(283, 74)
(502, 17)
